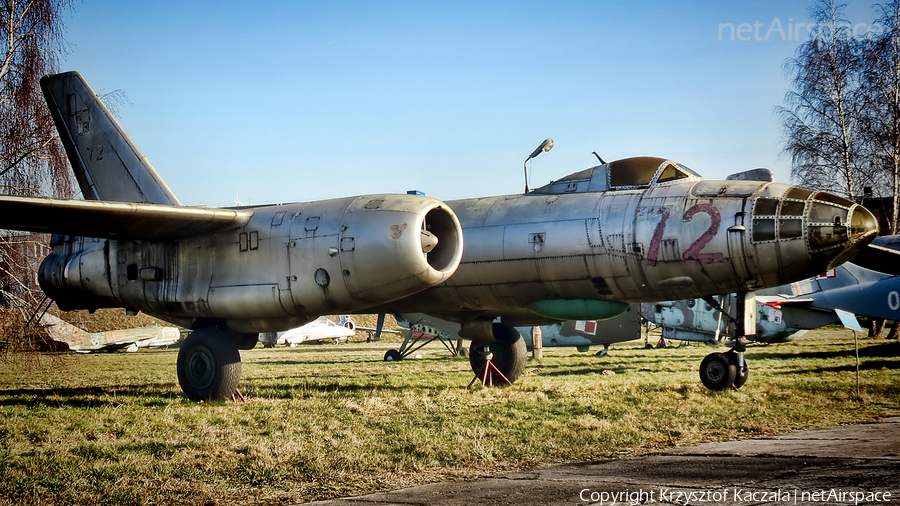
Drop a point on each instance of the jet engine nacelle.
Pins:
(76, 273)
(380, 248)
(287, 265)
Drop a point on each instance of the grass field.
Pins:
(323, 420)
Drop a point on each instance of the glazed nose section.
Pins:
(838, 227)
(863, 225)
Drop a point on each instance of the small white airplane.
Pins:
(320, 329)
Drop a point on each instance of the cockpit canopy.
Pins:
(626, 174)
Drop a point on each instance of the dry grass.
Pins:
(324, 420)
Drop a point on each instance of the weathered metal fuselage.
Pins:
(581, 248)
(285, 267)
(564, 252)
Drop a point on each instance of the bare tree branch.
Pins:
(881, 86)
(32, 160)
(822, 116)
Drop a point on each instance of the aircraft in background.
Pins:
(786, 312)
(580, 334)
(78, 340)
(320, 329)
(579, 248)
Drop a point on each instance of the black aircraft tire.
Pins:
(741, 373)
(717, 372)
(509, 358)
(392, 356)
(209, 365)
(246, 341)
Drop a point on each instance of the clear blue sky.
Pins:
(289, 101)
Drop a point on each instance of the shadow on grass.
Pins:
(313, 362)
(612, 362)
(158, 394)
(571, 371)
(878, 351)
(291, 388)
(871, 365)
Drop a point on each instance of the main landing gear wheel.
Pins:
(718, 372)
(393, 356)
(209, 365)
(508, 359)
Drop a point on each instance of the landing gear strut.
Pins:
(729, 370)
(419, 336)
(740, 364)
(209, 365)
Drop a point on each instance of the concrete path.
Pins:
(850, 464)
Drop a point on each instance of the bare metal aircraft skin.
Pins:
(580, 248)
(637, 230)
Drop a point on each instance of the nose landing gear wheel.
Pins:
(718, 372)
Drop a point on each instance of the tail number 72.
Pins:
(693, 252)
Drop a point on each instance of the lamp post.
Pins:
(547, 145)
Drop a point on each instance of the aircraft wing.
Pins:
(782, 299)
(114, 220)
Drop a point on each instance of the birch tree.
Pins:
(822, 115)
(32, 160)
(880, 65)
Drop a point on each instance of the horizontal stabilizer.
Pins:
(782, 299)
(114, 220)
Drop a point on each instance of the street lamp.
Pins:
(547, 145)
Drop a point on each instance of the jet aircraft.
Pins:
(320, 329)
(112, 340)
(579, 248)
(582, 334)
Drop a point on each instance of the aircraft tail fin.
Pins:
(107, 165)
